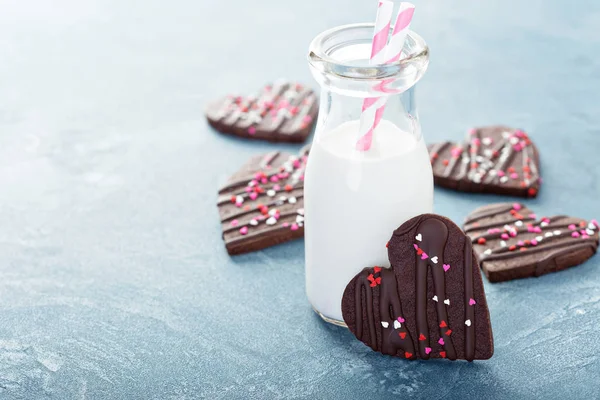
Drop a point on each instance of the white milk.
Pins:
(354, 201)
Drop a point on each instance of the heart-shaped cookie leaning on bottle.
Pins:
(430, 303)
(281, 112)
(512, 242)
(493, 159)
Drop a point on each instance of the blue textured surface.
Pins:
(114, 282)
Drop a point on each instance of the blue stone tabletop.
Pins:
(114, 280)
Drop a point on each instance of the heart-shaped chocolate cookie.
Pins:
(282, 112)
(494, 159)
(511, 242)
(419, 308)
(262, 204)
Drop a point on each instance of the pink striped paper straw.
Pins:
(373, 107)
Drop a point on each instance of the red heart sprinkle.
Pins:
(443, 324)
(422, 337)
(233, 199)
(445, 162)
(387, 245)
(288, 188)
(443, 354)
(402, 335)
(481, 240)
(376, 269)
(419, 252)
(408, 355)
(449, 332)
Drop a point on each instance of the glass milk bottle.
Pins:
(355, 199)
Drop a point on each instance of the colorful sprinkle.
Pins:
(234, 222)
(472, 302)
(294, 227)
(243, 230)
(252, 130)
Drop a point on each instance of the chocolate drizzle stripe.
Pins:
(277, 90)
(469, 310)
(259, 234)
(252, 210)
(281, 218)
(497, 209)
(243, 182)
(226, 198)
(452, 164)
(494, 236)
(473, 154)
(540, 267)
(539, 248)
(497, 150)
(421, 305)
(499, 224)
(437, 149)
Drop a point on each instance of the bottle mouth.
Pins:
(330, 53)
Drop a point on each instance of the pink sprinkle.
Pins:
(276, 187)
(285, 224)
(283, 104)
(268, 104)
(252, 130)
(416, 247)
(296, 163)
(595, 223)
(504, 236)
(238, 204)
(575, 234)
(274, 178)
(513, 233)
(517, 147)
(572, 227)
(456, 151)
(530, 229)
(257, 177)
(500, 173)
(264, 180)
(472, 302)
(494, 230)
(274, 112)
(248, 189)
(234, 222)
(307, 119)
(519, 133)
(517, 206)
(294, 227)
(476, 141)
(253, 195)
(283, 175)
(534, 242)
(520, 243)
(537, 229)
(546, 219)
(472, 131)
(244, 230)
(302, 178)
(401, 320)
(532, 216)
(441, 341)
(514, 175)
(585, 236)
(583, 232)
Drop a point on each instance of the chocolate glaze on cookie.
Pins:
(282, 112)
(494, 159)
(262, 205)
(430, 304)
(511, 242)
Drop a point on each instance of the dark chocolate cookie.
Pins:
(282, 112)
(262, 204)
(430, 304)
(494, 159)
(511, 242)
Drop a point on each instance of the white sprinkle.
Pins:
(292, 200)
(539, 238)
(488, 252)
(492, 172)
(251, 183)
(466, 160)
(591, 226)
(507, 227)
(385, 324)
(468, 322)
(589, 232)
(556, 233)
(271, 193)
(282, 198)
(447, 302)
(488, 152)
(548, 234)
(273, 211)
(434, 298)
(299, 219)
(487, 141)
(253, 222)
(301, 211)
(544, 223)
(271, 221)
(479, 159)
(239, 199)
(505, 134)
(514, 140)
(519, 223)
(504, 179)
(397, 324)
(503, 243)
(477, 178)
